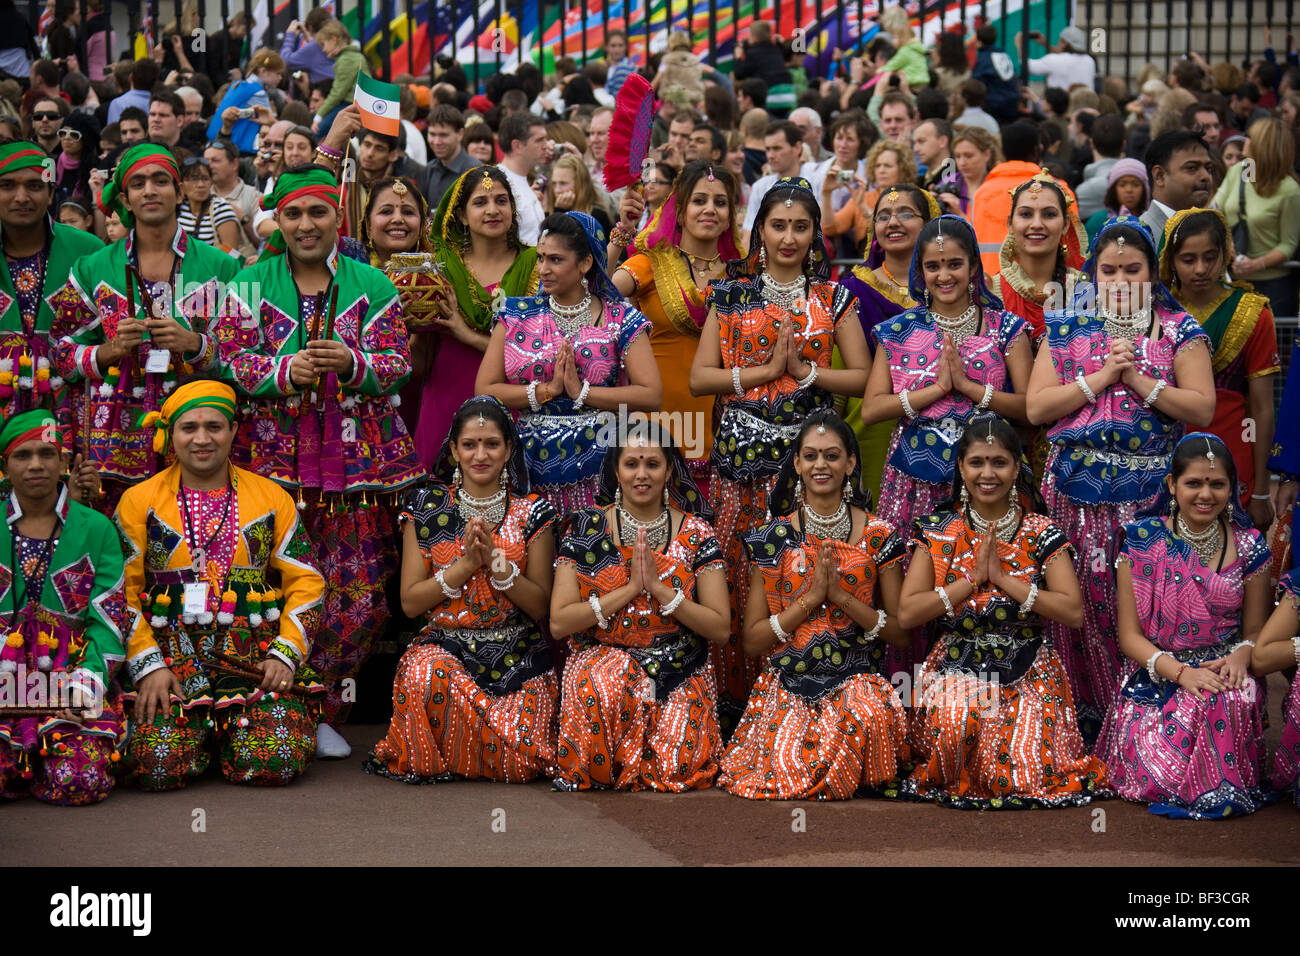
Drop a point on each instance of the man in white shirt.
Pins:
(523, 138)
(783, 142)
(1067, 64)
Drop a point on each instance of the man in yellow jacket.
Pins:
(225, 602)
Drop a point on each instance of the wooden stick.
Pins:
(329, 334)
(298, 690)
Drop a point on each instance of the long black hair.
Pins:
(682, 490)
(1059, 269)
(490, 410)
(789, 189)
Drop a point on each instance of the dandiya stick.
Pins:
(329, 335)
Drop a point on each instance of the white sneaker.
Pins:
(330, 744)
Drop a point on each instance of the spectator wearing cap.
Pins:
(1128, 193)
(1065, 65)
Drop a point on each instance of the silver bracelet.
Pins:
(1029, 601)
(988, 397)
(872, 634)
(582, 395)
(1151, 664)
(809, 378)
(1261, 497)
(781, 633)
(448, 592)
(1240, 644)
(947, 601)
(1083, 387)
(1155, 393)
(603, 621)
(666, 610)
(531, 391)
(735, 381)
(1295, 645)
(509, 581)
(908, 410)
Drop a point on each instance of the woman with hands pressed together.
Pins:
(1117, 375)
(823, 600)
(994, 724)
(1186, 733)
(568, 359)
(476, 694)
(641, 590)
(766, 349)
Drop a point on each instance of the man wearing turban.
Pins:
(224, 601)
(39, 252)
(323, 353)
(131, 323)
(62, 617)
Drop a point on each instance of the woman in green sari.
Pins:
(474, 236)
(1197, 253)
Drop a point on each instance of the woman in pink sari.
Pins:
(1186, 734)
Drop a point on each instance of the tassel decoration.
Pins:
(162, 603)
(24, 371)
(43, 376)
(226, 615)
(254, 600)
(45, 645)
(271, 607)
(7, 377)
(109, 385)
(12, 654)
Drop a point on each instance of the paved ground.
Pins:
(337, 815)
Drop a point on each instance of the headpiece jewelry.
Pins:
(399, 188)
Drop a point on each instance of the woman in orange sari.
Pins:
(765, 352)
(994, 724)
(688, 243)
(824, 721)
(475, 695)
(640, 588)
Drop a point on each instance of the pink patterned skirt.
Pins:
(1286, 765)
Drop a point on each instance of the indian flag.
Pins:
(378, 103)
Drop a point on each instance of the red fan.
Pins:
(629, 132)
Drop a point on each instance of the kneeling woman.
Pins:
(1186, 734)
(1279, 649)
(994, 725)
(823, 721)
(641, 586)
(475, 695)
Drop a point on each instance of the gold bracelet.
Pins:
(806, 612)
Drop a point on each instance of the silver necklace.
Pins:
(492, 509)
(961, 326)
(1205, 543)
(1129, 327)
(1006, 525)
(656, 530)
(572, 319)
(784, 294)
(836, 526)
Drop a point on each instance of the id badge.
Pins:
(159, 360)
(196, 598)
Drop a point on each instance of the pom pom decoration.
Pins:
(12, 654)
(629, 132)
(226, 615)
(43, 376)
(271, 605)
(24, 371)
(6, 378)
(161, 606)
(109, 385)
(254, 600)
(45, 645)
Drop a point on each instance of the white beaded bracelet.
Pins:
(809, 378)
(1083, 387)
(947, 601)
(1155, 393)
(1151, 664)
(1029, 601)
(582, 395)
(872, 634)
(603, 621)
(988, 398)
(781, 633)
(908, 410)
(508, 582)
(1295, 646)
(666, 610)
(1240, 644)
(531, 390)
(448, 591)
(735, 381)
